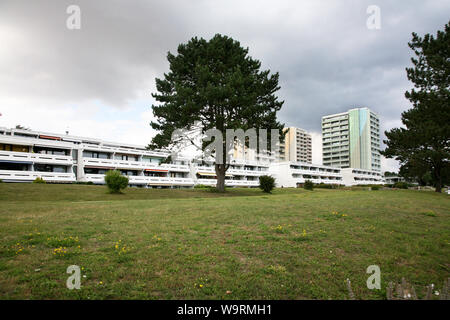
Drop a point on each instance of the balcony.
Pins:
(136, 165)
(235, 172)
(230, 183)
(9, 175)
(144, 180)
(110, 149)
(35, 158)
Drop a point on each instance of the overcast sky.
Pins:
(97, 81)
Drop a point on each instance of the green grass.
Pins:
(196, 244)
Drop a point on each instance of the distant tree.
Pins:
(424, 145)
(115, 181)
(390, 174)
(266, 183)
(214, 84)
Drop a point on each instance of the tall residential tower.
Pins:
(297, 146)
(352, 140)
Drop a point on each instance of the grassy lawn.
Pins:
(195, 244)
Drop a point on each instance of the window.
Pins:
(59, 152)
(13, 147)
(50, 168)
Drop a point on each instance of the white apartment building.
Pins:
(352, 140)
(26, 155)
(292, 174)
(297, 146)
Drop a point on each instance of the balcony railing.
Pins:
(236, 172)
(317, 181)
(93, 147)
(315, 172)
(35, 158)
(100, 179)
(137, 165)
(231, 183)
(10, 175)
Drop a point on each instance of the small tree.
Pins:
(266, 183)
(115, 181)
(308, 185)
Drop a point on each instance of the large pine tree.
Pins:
(218, 85)
(424, 145)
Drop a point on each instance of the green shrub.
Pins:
(1, 181)
(324, 186)
(401, 185)
(115, 181)
(308, 185)
(266, 183)
(213, 189)
(201, 186)
(85, 183)
(375, 187)
(39, 180)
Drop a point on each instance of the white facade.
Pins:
(354, 176)
(292, 174)
(241, 173)
(26, 155)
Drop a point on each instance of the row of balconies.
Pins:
(315, 172)
(317, 181)
(100, 179)
(10, 175)
(234, 183)
(237, 172)
(110, 149)
(35, 158)
(138, 165)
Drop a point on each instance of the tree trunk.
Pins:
(438, 179)
(438, 186)
(220, 173)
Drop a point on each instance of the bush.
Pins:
(308, 185)
(1, 181)
(39, 180)
(324, 186)
(266, 183)
(115, 181)
(375, 187)
(85, 183)
(401, 185)
(201, 186)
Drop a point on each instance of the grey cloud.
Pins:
(328, 60)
